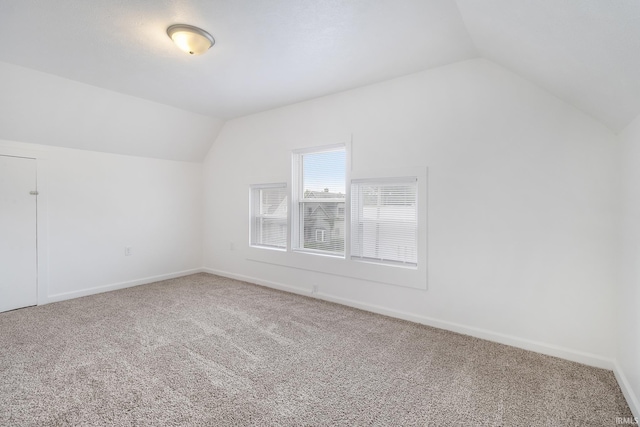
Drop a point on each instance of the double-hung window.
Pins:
(269, 215)
(384, 220)
(369, 225)
(318, 206)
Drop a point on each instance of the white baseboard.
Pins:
(538, 347)
(628, 392)
(274, 285)
(115, 286)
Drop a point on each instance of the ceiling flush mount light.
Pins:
(192, 40)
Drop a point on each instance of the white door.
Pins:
(18, 262)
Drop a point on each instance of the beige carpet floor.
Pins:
(206, 350)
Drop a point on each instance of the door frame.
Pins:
(16, 149)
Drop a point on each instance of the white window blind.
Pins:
(319, 200)
(384, 220)
(269, 215)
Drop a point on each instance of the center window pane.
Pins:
(322, 202)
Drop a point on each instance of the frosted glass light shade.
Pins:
(192, 40)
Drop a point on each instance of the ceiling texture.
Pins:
(276, 52)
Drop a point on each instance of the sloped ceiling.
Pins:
(586, 52)
(277, 52)
(267, 53)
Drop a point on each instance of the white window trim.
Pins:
(296, 200)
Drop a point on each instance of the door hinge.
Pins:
(33, 193)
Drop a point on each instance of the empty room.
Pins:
(319, 213)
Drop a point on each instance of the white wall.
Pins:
(91, 205)
(521, 227)
(627, 310)
(45, 109)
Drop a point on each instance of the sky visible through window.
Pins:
(324, 171)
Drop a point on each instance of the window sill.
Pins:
(397, 275)
(268, 248)
(386, 264)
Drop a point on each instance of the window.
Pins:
(384, 220)
(365, 224)
(269, 215)
(319, 200)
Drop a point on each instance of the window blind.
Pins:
(269, 215)
(384, 220)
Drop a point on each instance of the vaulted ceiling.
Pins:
(276, 52)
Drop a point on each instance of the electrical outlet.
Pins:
(232, 246)
(127, 251)
(314, 289)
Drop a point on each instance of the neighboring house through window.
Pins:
(319, 199)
